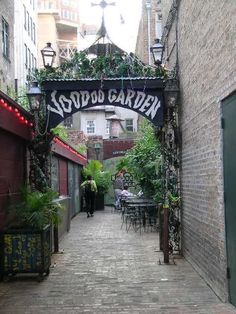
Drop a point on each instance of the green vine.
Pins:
(110, 66)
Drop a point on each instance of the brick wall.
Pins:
(7, 65)
(115, 148)
(206, 41)
(142, 49)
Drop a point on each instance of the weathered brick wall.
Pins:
(116, 147)
(166, 5)
(7, 66)
(207, 54)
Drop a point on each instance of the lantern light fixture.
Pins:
(48, 55)
(35, 96)
(157, 50)
(171, 92)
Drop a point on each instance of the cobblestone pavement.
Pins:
(103, 269)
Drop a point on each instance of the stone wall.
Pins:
(205, 36)
(7, 64)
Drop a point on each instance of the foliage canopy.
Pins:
(106, 66)
(102, 178)
(144, 161)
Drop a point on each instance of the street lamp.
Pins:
(48, 55)
(35, 96)
(97, 147)
(171, 92)
(157, 50)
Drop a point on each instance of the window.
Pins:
(33, 34)
(31, 29)
(90, 127)
(25, 19)
(32, 61)
(129, 125)
(5, 38)
(108, 123)
(28, 23)
(29, 59)
(26, 56)
(158, 25)
(68, 122)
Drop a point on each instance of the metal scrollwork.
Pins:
(170, 147)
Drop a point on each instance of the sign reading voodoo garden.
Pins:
(63, 103)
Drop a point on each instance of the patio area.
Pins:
(104, 269)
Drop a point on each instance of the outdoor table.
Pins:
(137, 211)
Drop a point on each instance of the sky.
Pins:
(121, 20)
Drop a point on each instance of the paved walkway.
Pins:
(105, 270)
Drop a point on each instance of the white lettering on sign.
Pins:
(142, 102)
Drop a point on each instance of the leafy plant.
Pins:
(102, 178)
(144, 161)
(38, 209)
(22, 98)
(113, 65)
(81, 148)
(60, 131)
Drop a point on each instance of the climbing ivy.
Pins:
(106, 66)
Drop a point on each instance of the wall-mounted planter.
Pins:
(25, 251)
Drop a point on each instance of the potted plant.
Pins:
(102, 179)
(25, 246)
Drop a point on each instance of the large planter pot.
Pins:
(99, 202)
(25, 251)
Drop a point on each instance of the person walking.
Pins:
(90, 190)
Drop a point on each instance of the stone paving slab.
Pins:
(104, 269)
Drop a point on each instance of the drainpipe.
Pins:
(148, 7)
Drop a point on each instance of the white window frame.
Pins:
(158, 25)
(108, 126)
(5, 39)
(68, 122)
(128, 125)
(90, 127)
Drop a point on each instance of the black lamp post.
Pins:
(97, 148)
(48, 55)
(157, 51)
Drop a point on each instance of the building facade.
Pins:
(7, 47)
(150, 28)
(58, 22)
(198, 38)
(25, 41)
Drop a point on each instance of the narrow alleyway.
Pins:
(105, 270)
